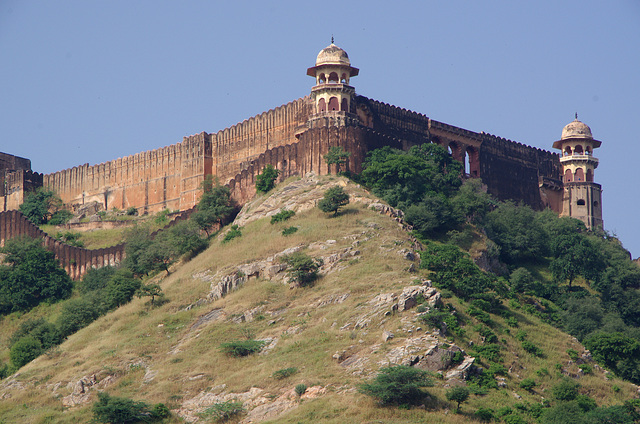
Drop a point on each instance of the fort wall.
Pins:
(76, 261)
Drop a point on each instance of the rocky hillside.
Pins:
(364, 312)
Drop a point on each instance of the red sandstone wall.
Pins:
(75, 261)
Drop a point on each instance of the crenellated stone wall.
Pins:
(76, 261)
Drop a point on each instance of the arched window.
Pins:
(587, 151)
(579, 176)
(322, 105)
(343, 79)
(471, 165)
(321, 79)
(568, 176)
(345, 105)
(578, 150)
(589, 175)
(333, 104)
(333, 77)
(581, 202)
(567, 151)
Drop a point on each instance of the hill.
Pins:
(373, 306)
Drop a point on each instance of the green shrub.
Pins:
(132, 211)
(532, 348)
(457, 358)
(289, 230)
(223, 411)
(398, 385)
(160, 411)
(266, 180)
(490, 352)
(573, 354)
(25, 350)
(302, 268)
(77, 314)
(282, 216)
(284, 373)
(528, 384)
(586, 368)
(511, 322)
(484, 414)
(521, 335)
(240, 348)
(334, 198)
(300, 389)
(565, 390)
(234, 232)
(514, 419)
(111, 409)
(60, 217)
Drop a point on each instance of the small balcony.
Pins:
(579, 158)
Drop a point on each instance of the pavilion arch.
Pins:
(456, 152)
(333, 77)
(589, 175)
(322, 105)
(567, 151)
(345, 105)
(568, 176)
(472, 162)
(343, 79)
(579, 175)
(578, 150)
(322, 78)
(333, 104)
(587, 150)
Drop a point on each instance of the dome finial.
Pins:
(576, 116)
(331, 38)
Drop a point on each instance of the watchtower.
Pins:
(332, 95)
(582, 197)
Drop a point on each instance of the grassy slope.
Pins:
(123, 343)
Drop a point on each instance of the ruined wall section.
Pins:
(515, 171)
(76, 261)
(16, 185)
(235, 148)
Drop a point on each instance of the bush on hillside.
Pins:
(266, 180)
(25, 350)
(334, 198)
(111, 409)
(223, 411)
(302, 268)
(239, 348)
(399, 385)
(282, 216)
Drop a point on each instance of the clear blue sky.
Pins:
(91, 81)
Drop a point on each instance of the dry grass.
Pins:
(188, 361)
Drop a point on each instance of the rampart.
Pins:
(76, 261)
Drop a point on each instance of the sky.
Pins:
(92, 81)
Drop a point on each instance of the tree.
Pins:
(32, 275)
(25, 350)
(39, 206)
(574, 255)
(266, 180)
(398, 385)
(215, 205)
(149, 290)
(336, 156)
(111, 409)
(334, 198)
(302, 269)
(458, 394)
(138, 241)
(121, 288)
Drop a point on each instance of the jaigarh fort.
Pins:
(294, 138)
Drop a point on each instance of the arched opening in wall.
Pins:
(567, 151)
(321, 79)
(581, 202)
(587, 150)
(322, 105)
(579, 175)
(333, 104)
(568, 176)
(471, 165)
(333, 77)
(343, 79)
(345, 105)
(578, 150)
(589, 175)
(455, 151)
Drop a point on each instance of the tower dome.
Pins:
(576, 129)
(333, 55)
